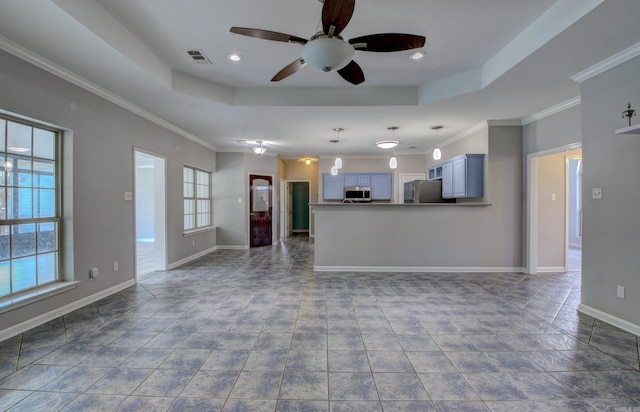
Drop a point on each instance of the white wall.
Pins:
(102, 223)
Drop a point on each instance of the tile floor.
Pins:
(259, 330)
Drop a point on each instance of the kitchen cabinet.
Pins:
(447, 180)
(381, 186)
(357, 179)
(463, 176)
(435, 172)
(332, 186)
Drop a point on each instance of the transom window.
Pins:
(197, 198)
(29, 206)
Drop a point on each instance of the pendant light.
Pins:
(334, 168)
(437, 153)
(338, 162)
(393, 162)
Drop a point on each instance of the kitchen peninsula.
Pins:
(426, 237)
(471, 235)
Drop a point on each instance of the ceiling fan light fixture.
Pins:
(417, 55)
(327, 53)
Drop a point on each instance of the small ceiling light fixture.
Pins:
(307, 161)
(437, 153)
(259, 149)
(418, 55)
(234, 57)
(338, 162)
(389, 144)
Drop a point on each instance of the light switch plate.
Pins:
(128, 196)
(596, 193)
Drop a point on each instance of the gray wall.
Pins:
(611, 225)
(554, 131)
(231, 194)
(104, 136)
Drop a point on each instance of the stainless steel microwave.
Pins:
(357, 193)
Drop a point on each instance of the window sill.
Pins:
(25, 298)
(200, 230)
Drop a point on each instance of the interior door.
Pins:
(300, 202)
(261, 207)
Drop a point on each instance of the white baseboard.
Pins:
(188, 259)
(233, 247)
(415, 269)
(552, 269)
(610, 319)
(56, 313)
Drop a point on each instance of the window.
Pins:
(197, 198)
(29, 206)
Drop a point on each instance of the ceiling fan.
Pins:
(327, 50)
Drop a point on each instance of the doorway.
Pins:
(295, 201)
(260, 210)
(540, 249)
(150, 212)
(574, 175)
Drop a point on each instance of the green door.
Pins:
(300, 203)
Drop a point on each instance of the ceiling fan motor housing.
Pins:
(327, 53)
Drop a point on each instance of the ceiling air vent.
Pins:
(198, 56)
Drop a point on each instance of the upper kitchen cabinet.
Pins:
(332, 186)
(357, 179)
(380, 183)
(381, 186)
(463, 176)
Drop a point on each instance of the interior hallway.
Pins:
(259, 330)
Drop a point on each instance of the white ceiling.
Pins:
(486, 60)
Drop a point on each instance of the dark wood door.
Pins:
(261, 206)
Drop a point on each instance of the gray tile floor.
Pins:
(259, 330)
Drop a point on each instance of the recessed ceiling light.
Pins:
(417, 55)
(234, 57)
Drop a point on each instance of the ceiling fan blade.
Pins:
(387, 42)
(268, 35)
(337, 13)
(289, 70)
(352, 73)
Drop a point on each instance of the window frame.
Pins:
(56, 219)
(195, 199)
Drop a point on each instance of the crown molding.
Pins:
(552, 110)
(49, 66)
(608, 63)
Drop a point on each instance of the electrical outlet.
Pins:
(596, 193)
(115, 266)
(553, 196)
(93, 273)
(621, 292)
(193, 243)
